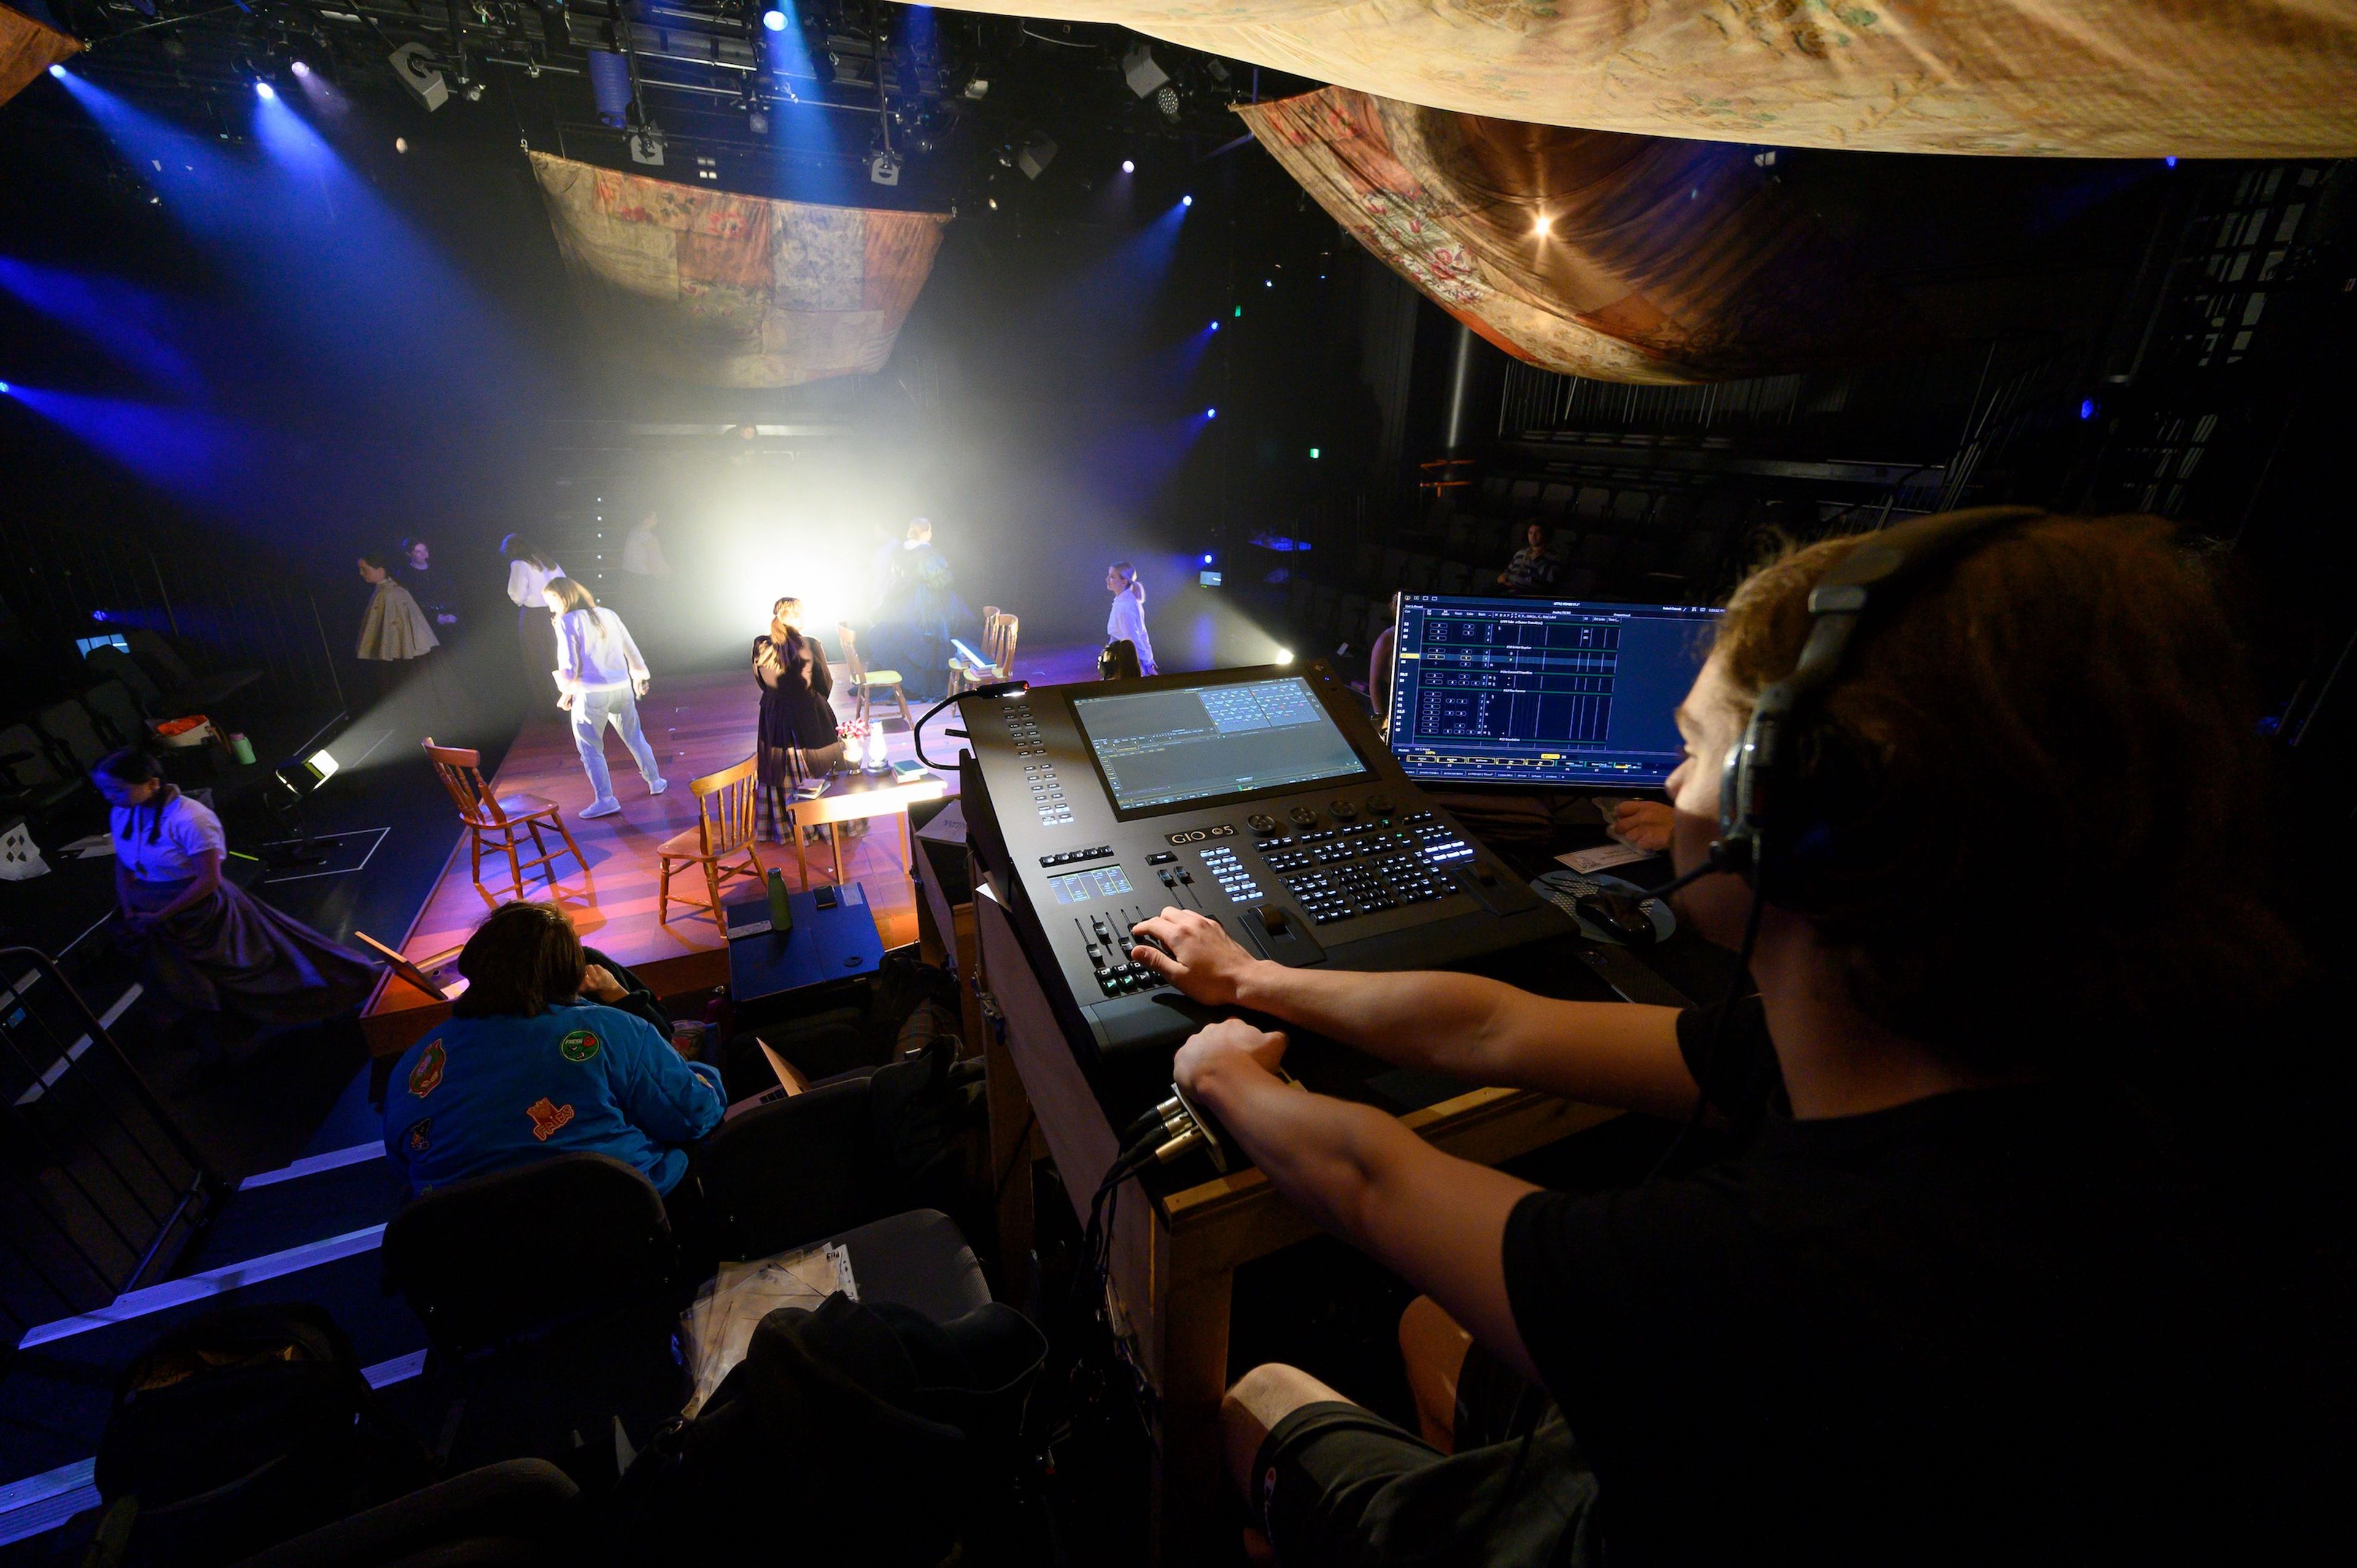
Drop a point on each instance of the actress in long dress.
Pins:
(800, 737)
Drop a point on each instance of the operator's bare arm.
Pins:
(1607, 1053)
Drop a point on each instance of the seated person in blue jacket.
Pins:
(536, 1061)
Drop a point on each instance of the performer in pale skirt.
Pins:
(1127, 621)
(205, 946)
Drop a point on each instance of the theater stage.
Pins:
(698, 724)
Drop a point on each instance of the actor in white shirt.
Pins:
(530, 570)
(600, 677)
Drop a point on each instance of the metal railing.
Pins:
(97, 1176)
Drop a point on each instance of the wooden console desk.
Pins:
(1174, 1259)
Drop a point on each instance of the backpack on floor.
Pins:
(244, 1428)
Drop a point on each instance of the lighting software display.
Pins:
(1542, 691)
(1195, 743)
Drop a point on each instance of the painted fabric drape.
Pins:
(718, 289)
(1620, 258)
(26, 50)
(2223, 78)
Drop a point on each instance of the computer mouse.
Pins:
(1618, 913)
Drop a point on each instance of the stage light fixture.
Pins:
(1210, 413)
(1186, 201)
(400, 144)
(1037, 151)
(1284, 656)
(1540, 228)
(1142, 71)
(1128, 165)
(1207, 557)
(300, 69)
(5, 389)
(774, 20)
(264, 91)
(757, 122)
(2087, 408)
(59, 73)
(994, 204)
(1165, 100)
(415, 68)
(1313, 454)
(2170, 161)
(1215, 324)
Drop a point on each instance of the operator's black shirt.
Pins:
(1989, 1327)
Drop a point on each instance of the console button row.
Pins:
(1234, 881)
(1069, 856)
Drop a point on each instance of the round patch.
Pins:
(577, 1046)
(428, 1073)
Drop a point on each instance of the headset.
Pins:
(1769, 833)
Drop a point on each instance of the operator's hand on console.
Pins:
(1644, 824)
(1204, 962)
(1222, 1048)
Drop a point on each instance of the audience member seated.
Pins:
(1946, 1286)
(535, 1060)
(1531, 571)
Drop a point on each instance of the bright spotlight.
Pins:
(1207, 557)
(59, 73)
(322, 766)
(301, 70)
(1128, 167)
(5, 389)
(1186, 201)
(1210, 413)
(2087, 408)
(774, 20)
(263, 90)
(1284, 656)
(1540, 228)
(400, 144)
(1215, 327)
(1313, 454)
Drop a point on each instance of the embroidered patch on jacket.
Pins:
(420, 1136)
(428, 1073)
(547, 1118)
(577, 1046)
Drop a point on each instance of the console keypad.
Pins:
(1228, 870)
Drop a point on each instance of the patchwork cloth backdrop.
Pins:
(735, 291)
(2213, 78)
(26, 50)
(1659, 261)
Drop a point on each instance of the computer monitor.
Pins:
(1198, 746)
(1550, 691)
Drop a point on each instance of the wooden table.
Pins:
(1174, 1257)
(853, 796)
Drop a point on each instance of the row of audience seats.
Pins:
(46, 758)
(1638, 545)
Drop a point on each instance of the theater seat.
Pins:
(547, 1294)
(516, 1514)
(918, 1259)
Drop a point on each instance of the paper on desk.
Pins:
(717, 1329)
(89, 848)
(1603, 857)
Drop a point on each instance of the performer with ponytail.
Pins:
(600, 678)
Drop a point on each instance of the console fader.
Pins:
(1261, 798)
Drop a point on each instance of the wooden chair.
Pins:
(867, 685)
(998, 664)
(498, 818)
(722, 839)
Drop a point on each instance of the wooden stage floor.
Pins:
(696, 725)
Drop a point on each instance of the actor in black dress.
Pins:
(800, 737)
